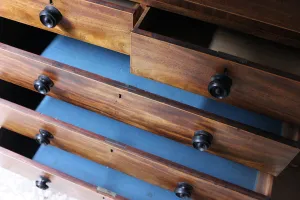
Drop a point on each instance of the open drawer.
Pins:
(236, 141)
(157, 171)
(185, 53)
(104, 23)
(47, 178)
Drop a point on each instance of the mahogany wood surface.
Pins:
(103, 23)
(264, 184)
(59, 181)
(258, 88)
(232, 140)
(284, 14)
(150, 168)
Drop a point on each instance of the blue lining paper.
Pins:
(116, 66)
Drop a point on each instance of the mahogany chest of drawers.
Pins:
(151, 99)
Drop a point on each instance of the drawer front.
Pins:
(58, 181)
(247, 145)
(157, 171)
(190, 67)
(93, 21)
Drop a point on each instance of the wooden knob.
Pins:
(43, 138)
(202, 140)
(220, 85)
(42, 183)
(183, 190)
(43, 84)
(50, 16)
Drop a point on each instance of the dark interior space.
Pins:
(21, 36)
(24, 37)
(167, 24)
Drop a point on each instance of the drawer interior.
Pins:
(189, 32)
(24, 37)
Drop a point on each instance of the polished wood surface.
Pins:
(284, 14)
(155, 170)
(59, 181)
(264, 184)
(291, 131)
(227, 19)
(232, 140)
(258, 88)
(103, 23)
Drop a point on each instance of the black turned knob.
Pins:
(219, 86)
(43, 137)
(183, 190)
(43, 84)
(202, 140)
(50, 16)
(42, 183)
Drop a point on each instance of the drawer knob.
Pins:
(183, 190)
(202, 140)
(50, 16)
(43, 84)
(42, 183)
(219, 86)
(43, 137)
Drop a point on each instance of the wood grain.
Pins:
(126, 159)
(258, 88)
(94, 21)
(232, 140)
(283, 14)
(264, 184)
(291, 131)
(59, 181)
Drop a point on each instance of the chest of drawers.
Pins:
(101, 126)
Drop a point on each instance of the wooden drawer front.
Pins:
(258, 149)
(157, 171)
(59, 181)
(190, 67)
(94, 21)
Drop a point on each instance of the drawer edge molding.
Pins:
(156, 170)
(232, 140)
(59, 181)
